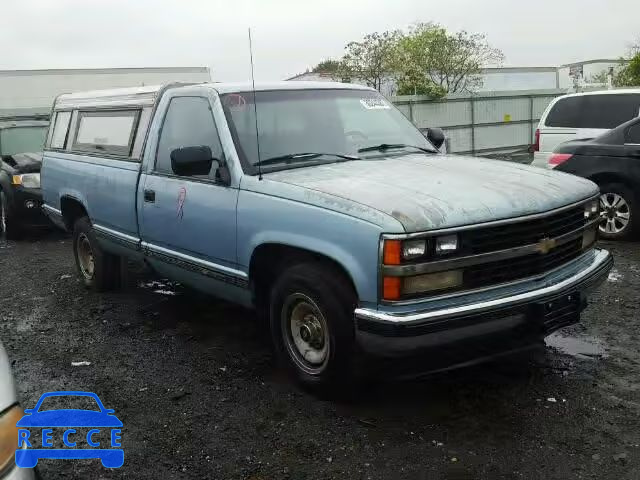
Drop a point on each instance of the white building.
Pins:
(586, 71)
(512, 78)
(33, 91)
(518, 78)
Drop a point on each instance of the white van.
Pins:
(582, 115)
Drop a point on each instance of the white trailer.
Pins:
(26, 92)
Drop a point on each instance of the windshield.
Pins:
(334, 123)
(16, 140)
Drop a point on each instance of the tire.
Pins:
(322, 300)
(9, 226)
(618, 207)
(98, 270)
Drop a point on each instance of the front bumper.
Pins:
(25, 204)
(549, 303)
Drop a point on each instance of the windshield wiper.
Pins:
(391, 146)
(289, 158)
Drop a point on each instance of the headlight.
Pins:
(398, 251)
(446, 244)
(9, 436)
(413, 249)
(592, 209)
(27, 180)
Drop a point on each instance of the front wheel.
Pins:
(98, 269)
(618, 208)
(311, 318)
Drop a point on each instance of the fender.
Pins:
(360, 278)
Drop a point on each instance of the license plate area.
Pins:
(559, 311)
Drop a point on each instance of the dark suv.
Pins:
(20, 197)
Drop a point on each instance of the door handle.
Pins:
(149, 196)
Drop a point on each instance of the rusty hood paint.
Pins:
(441, 191)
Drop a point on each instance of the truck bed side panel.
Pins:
(106, 188)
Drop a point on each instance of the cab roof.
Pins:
(148, 95)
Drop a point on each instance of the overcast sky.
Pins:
(291, 35)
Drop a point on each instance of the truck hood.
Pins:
(24, 162)
(442, 191)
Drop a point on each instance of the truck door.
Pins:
(188, 222)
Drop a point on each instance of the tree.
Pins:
(370, 60)
(452, 61)
(629, 76)
(634, 48)
(327, 66)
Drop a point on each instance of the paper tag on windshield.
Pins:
(373, 103)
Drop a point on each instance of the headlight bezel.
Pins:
(27, 180)
(592, 209)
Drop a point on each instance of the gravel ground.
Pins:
(193, 381)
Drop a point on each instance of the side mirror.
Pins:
(189, 161)
(435, 136)
(109, 411)
(28, 410)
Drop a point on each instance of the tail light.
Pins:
(536, 145)
(558, 158)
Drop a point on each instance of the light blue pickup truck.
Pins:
(323, 207)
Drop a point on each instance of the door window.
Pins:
(609, 111)
(188, 123)
(565, 113)
(594, 111)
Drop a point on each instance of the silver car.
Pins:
(10, 413)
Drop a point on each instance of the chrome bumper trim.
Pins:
(52, 210)
(589, 277)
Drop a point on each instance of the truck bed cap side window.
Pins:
(61, 129)
(188, 123)
(106, 132)
(594, 111)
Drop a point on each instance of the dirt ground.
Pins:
(194, 383)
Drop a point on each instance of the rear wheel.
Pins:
(618, 207)
(99, 270)
(311, 318)
(9, 227)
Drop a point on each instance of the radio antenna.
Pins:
(255, 106)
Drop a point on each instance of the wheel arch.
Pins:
(71, 209)
(270, 258)
(609, 177)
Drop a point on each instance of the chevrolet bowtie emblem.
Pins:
(545, 245)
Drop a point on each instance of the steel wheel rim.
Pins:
(614, 213)
(85, 256)
(305, 333)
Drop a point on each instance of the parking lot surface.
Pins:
(193, 381)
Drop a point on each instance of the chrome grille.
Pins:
(522, 267)
(516, 234)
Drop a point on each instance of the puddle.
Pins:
(614, 276)
(583, 347)
(161, 287)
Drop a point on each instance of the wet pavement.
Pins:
(193, 381)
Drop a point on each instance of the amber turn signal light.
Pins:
(391, 288)
(392, 252)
